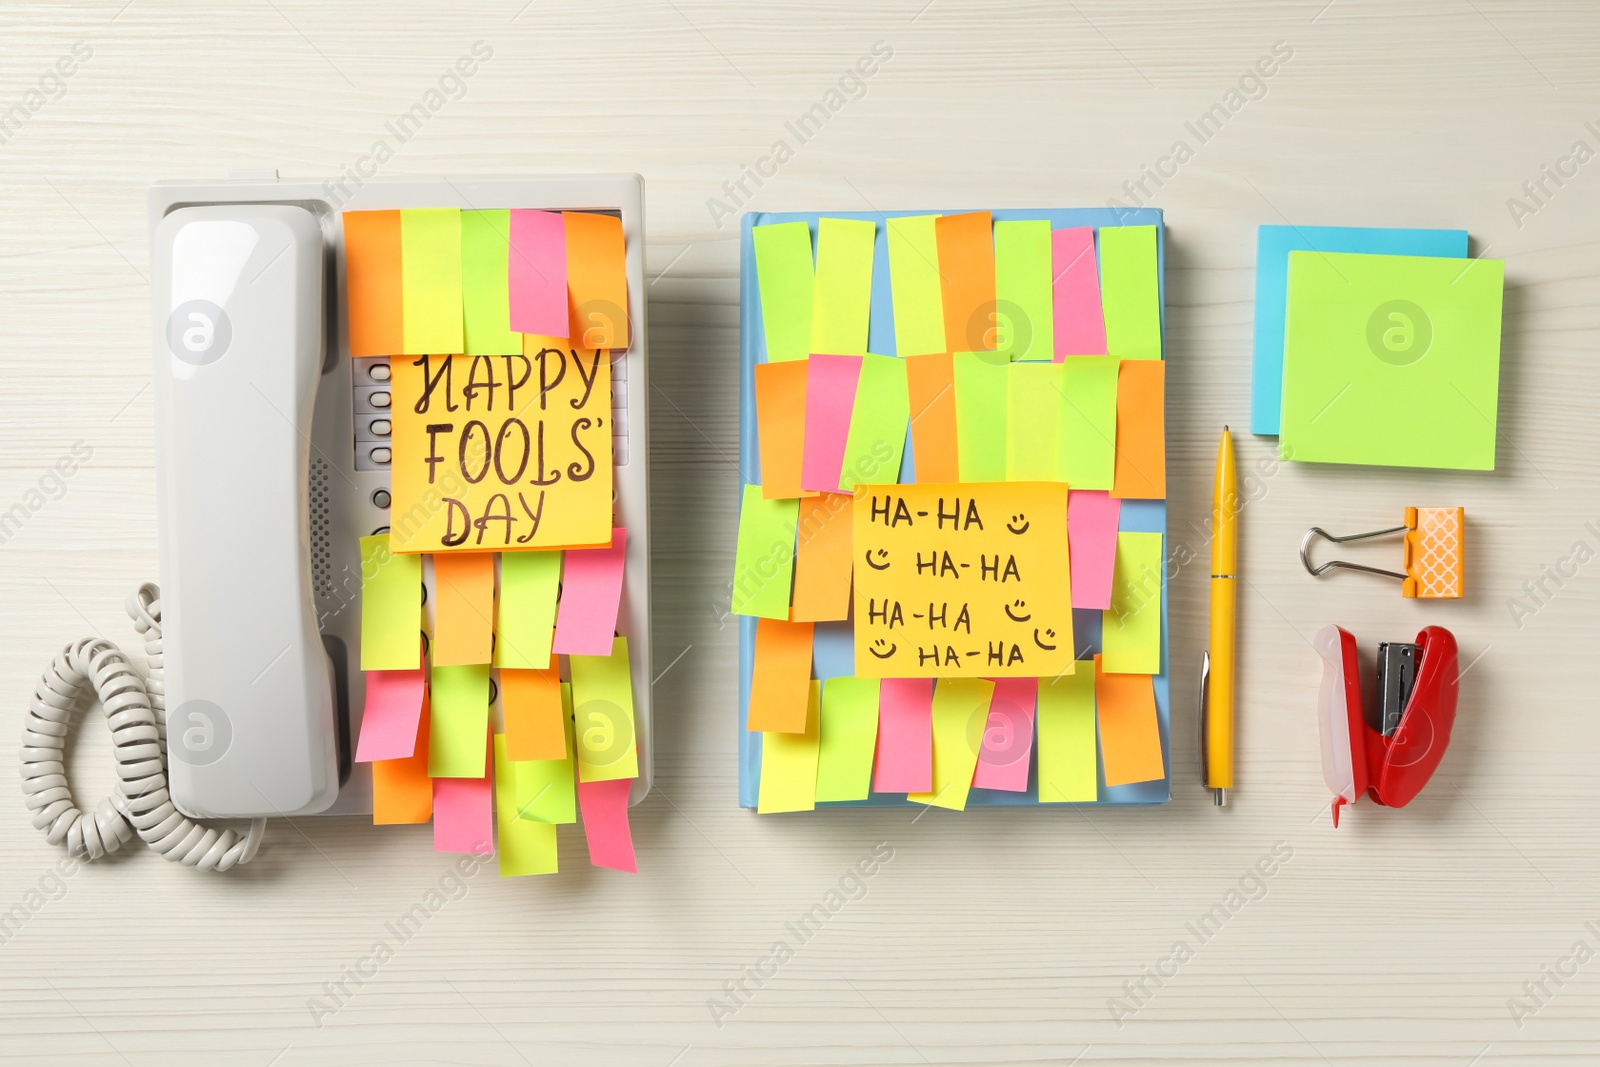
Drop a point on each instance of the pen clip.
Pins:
(1205, 716)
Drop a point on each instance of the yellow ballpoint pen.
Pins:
(1217, 667)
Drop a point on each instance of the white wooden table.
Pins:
(990, 936)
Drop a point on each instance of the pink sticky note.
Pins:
(591, 591)
(390, 716)
(536, 272)
(463, 813)
(1080, 322)
(904, 760)
(830, 397)
(1008, 736)
(1092, 517)
(605, 823)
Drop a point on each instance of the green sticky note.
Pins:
(1087, 441)
(1024, 300)
(1392, 360)
(1130, 634)
(430, 281)
(602, 713)
(1067, 737)
(981, 382)
(526, 618)
(960, 715)
(458, 720)
(786, 275)
(524, 846)
(1037, 392)
(841, 304)
(789, 764)
(1130, 291)
(391, 607)
(878, 423)
(914, 284)
(485, 297)
(763, 561)
(547, 789)
(846, 738)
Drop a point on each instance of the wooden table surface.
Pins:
(1462, 930)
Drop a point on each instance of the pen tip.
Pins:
(1224, 427)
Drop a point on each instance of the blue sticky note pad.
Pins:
(1273, 245)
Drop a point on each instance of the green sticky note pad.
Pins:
(1067, 737)
(525, 847)
(525, 621)
(1130, 633)
(458, 720)
(430, 280)
(391, 607)
(485, 298)
(763, 562)
(914, 285)
(547, 789)
(785, 274)
(1024, 302)
(1033, 421)
(846, 738)
(1086, 442)
(1130, 291)
(878, 422)
(1392, 360)
(981, 383)
(841, 303)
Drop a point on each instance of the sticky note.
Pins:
(830, 399)
(914, 285)
(1035, 395)
(970, 580)
(501, 452)
(463, 608)
(530, 703)
(847, 737)
(597, 280)
(786, 275)
(536, 274)
(546, 789)
(1024, 308)
(1067, 738)
(591, 593)
(463, 812)
(903, 762)
(1392, 360)
(430, 280)
(1007, 736)
(1092, 517)
(1140, 471)
(960, 712)
(1088, 434)
(485, 300)
(1130, 634)
(372, 282)
(876, 442)
(930, 382)
(781, 426)
(390, 715)
(1130, 291)
(526, 618)
(781, 671)
(602, 707)
(981, 383)
(789, 763)
(1273, 245)
(1080, 323)
(1130, 736)
(391, 606)
(822, 562)
(524, 846)
(605, 824)
(841, 302)
(459, 727)
(764, 555)
(966, 281)
(402, 792)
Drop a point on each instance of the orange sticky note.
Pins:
(597, 280)
(781, 427)
(822, 560)
(781, 680)
(1130, 737)
(402, 792)
(930, 381)
(463, 611)
(372, 282)
(1141, 469)
(530, 702)
(966, 282)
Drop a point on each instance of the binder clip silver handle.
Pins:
(1317, 531)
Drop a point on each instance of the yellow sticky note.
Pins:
(841, 303)
(981, 384)
(789, 765)
(1086, 443)
(602, 701)
(1066, 738)
(430, 280)
(914, 283)
(1024, 297)
(546, 789)
(962, 580)
(1033, 421)
(458, 720)
(485, 295)
(391, 607)
(847, 735)
(1131, 630)
(1130, 291)
(960, 714)
(524, 847)
(526, 620)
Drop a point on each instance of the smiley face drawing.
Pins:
(1019, 524)
(880, 553)
(1051, 634)
(882, 649)
(1021, 606)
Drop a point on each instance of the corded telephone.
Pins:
(272, 460)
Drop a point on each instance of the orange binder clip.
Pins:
(1433, 553)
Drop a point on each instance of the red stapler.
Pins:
(1392, 755)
